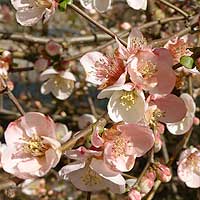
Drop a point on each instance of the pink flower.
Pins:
(166, 109)
(189, 167)
(126, 103)
(134, 195)
(181, 127)
(29, 12)
(99, 5)
(135, 4)
(103, 71)
(59, 83)
(53, 48)
(89, 172)
(32, 149)
(123, 143)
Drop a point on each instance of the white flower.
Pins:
(29, 12)
(62, 133)
(85, 120)
(125, 104)
(59, 83)
(137, 4)
(186, 123)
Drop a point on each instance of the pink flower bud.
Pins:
(158, 143)
(147, 182)
(41, 64)
(163, 172)
(134, 195)
(196, 121)
(7, 57)
(53, 48)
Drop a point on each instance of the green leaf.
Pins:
(187, 62)
(63, 4)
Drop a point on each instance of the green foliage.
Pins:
(187, 62)
(63, 4)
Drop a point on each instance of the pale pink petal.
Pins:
(137, 4)
(22, 3)
(96, 140)
(46, 87)
(102, 5)
(68, 75)
(39, 124)
(166, 76)
(141, 136)
(173, 108)
(74, 166)
(115, 180)
(85, 120)
(49, 73)
(89, 61)
(189, 102)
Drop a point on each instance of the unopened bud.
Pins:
(53, 48)
(134, 195)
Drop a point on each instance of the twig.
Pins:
(103, 28)
(89, 195)
(185, 14)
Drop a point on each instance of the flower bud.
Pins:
(163, 172)
(53, 48)
(147, 182)
(134, 195)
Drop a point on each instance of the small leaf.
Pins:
(187, 62)
(63, 4)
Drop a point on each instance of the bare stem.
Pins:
(103, 28)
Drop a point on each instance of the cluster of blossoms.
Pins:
(55, 71)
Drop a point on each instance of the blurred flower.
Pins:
(85, 120)
(32, 148)
(125, 103)
(189, 167)
(99, 5)
(53, 48)
(181, 127)
(89, 172)
(41, 64)
(29, 12)
(59, 83)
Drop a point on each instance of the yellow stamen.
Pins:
(128, 99)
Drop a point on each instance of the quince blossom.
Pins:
(189, 167)
(29, 12)
(181, 127)
(89, 172)
(32, 148)
(122, 143)
(126, 103)
(59, 83)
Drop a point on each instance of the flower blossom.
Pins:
(149, 69)
(29, 12)
(189, 167)
(59, 83)
(135, 4)
(134, 194)
(126, 103)
(122, 144)
(186, 123)
(89, 172)
(32, 148)
(103, 71)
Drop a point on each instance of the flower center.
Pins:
(119, 146)
(155, 117)
(194, 163)
(90, 177)
(43, 3)
(128, 99)
(109, 71)
(147, 69)
(35, 146)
